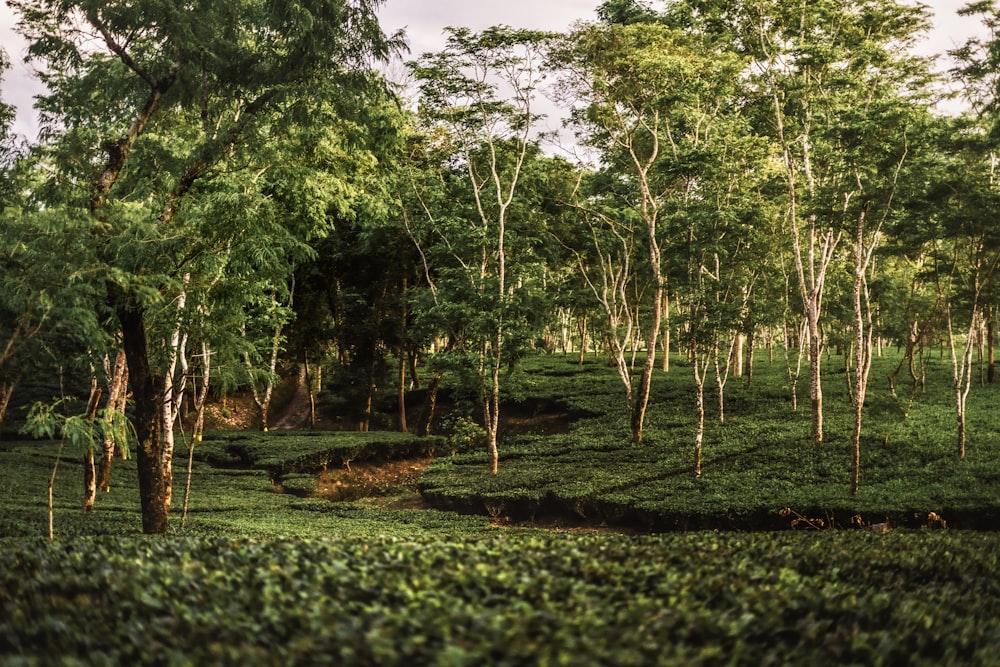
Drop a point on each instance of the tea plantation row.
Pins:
(757, 462)
(844, 597)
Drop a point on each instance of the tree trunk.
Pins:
(411, 357)
(89, 470)
(7, 387)
(153, 459)
(751, 350)
(665, 363)
(737, 354)
(200, 398)
(402, 393)
(201, 394)
(310, 386)
(721, 376)
(89, 480)
(117, 393)
(262, 399)
(646, 381)
(991, 371)
(426, 417)
(815, 379)
(699, 406)
(863, 345)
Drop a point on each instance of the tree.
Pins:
(974, 197)
(176, 106)
(480, 91)
(816, 66)
(647, 97)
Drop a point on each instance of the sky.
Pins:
(424, 21)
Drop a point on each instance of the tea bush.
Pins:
(757, 462)
(512, 599)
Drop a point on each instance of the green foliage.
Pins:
(465, 435)
(45, 420)
(755, 464)
(283, 452)
(704, 598)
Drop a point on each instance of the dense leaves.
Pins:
(704, 598)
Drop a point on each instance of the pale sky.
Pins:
(424, 21)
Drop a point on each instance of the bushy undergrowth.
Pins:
(258, 577)
(283, 452)
(757, 462)
(682, 599)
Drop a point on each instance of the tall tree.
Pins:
(482, 89)
(163, 110)
(816, 66)
(975, 197)
(647, 97)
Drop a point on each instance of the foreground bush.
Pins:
(518, 598)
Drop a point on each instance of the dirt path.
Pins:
(296, 413)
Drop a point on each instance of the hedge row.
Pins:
(699, 598)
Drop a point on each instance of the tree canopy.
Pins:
(231, 193)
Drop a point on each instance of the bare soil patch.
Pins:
(361, 480)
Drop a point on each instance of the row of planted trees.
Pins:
(224, 191)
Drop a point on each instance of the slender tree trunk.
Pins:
(646, 381)
(699, 407)
(310, 388)
(583, 337)
(751, 351)
(426, 417)
(493, 420)
(117, 393)
(722, 376)
(815, 379)
(262, 399)
(962, 374)
(411, 357)
(402, 393)
(991, 371)
(863, 345)
(174, 381)
(665, 363)
(201, 395)
(89, 469)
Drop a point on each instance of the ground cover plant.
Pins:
(758, 462)
(263, 577)
(684, 598)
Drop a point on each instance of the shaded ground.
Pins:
(362, 480)
(541, 417)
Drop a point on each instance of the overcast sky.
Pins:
(425, 19)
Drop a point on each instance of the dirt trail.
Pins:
(296, 414)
